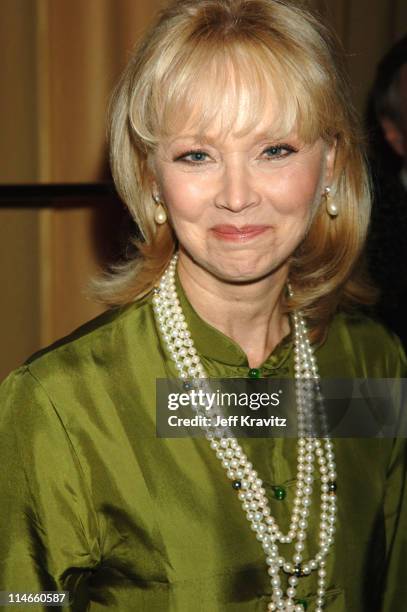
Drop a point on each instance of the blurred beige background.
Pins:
(60, 60)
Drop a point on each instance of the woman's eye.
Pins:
(278, 151)
(193, 157)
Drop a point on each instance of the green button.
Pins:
(279, 492)
(254, 373)
(302, 602)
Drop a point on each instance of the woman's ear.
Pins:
(151, 176)
(330, 156)
(153, 185)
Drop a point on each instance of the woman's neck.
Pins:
(249, 313)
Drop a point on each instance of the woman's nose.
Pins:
(237, 189)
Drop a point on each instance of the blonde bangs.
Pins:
(231, 85)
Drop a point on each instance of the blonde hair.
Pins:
(212, 59)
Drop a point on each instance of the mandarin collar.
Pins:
(215, 345)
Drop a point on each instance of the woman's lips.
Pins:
(234, 233)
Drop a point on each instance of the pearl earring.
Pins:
(331, 207)
(160, 216)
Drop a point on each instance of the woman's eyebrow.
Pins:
(202, 139)
(275, 135)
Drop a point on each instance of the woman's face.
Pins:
(241, 205)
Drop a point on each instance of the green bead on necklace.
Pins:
(254, 373)
(279, 492)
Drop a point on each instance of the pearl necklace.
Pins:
(239, 469)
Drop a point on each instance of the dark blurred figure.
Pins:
(387, 245)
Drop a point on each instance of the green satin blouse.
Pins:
(92, 502)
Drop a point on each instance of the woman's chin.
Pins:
(233, 268)
(243, 272)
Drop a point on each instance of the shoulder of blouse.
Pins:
(94, 331)
(97, 341)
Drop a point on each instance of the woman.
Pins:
(234, 147)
